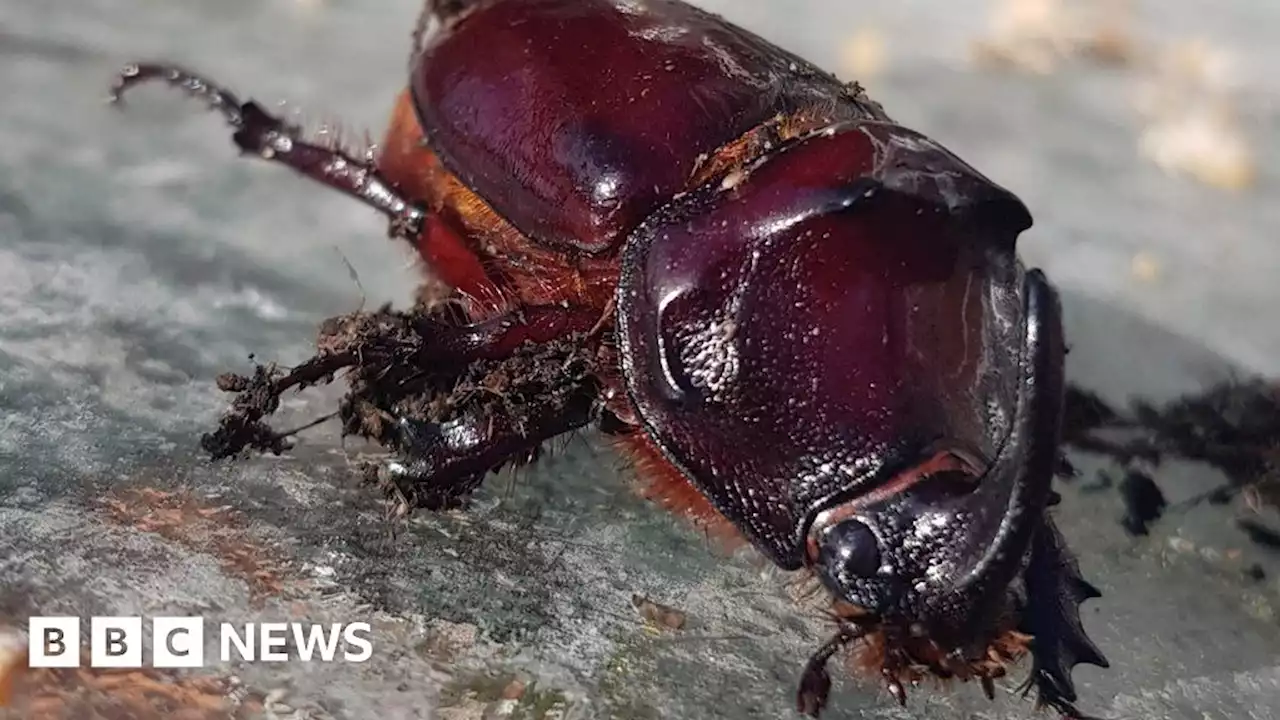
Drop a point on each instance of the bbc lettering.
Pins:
(179, 642)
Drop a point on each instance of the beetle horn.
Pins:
(260, 133)
(1017, 486)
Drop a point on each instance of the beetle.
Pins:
(821, 335)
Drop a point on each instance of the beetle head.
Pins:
(841, 350)
(868, 552)
(940, 546)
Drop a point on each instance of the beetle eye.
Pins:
(849, 548)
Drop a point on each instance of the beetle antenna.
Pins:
(261, 133)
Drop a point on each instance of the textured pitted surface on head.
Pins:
(843, 309)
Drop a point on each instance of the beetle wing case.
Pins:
(797, 334)
(577, 118)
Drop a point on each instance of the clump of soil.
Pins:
(658, 614)
(1144, 502)
(401, 364)
(386, 358)
(1233, 426)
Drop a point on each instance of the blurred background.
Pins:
(139, 258)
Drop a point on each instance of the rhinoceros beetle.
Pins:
(823, 336)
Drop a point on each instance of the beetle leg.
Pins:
(1055, 591)
(988, 687)
(525, 379)
(501, 336)
(815, 681)
(894, 686)
(263, 134)
(441, 464)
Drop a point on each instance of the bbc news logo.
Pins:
(179, 642)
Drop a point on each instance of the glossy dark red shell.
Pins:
(803, 334)
(873, 272)
(818, 315)
(578, 118)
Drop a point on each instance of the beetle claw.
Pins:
(815, 687)
(219, 99)
(895, 688)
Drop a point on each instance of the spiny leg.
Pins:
(499, 412)
(441, 464)
(263, 134)
(501, 336)
(1055, 591)
(393, 356)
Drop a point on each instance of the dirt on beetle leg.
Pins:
(392, 370)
